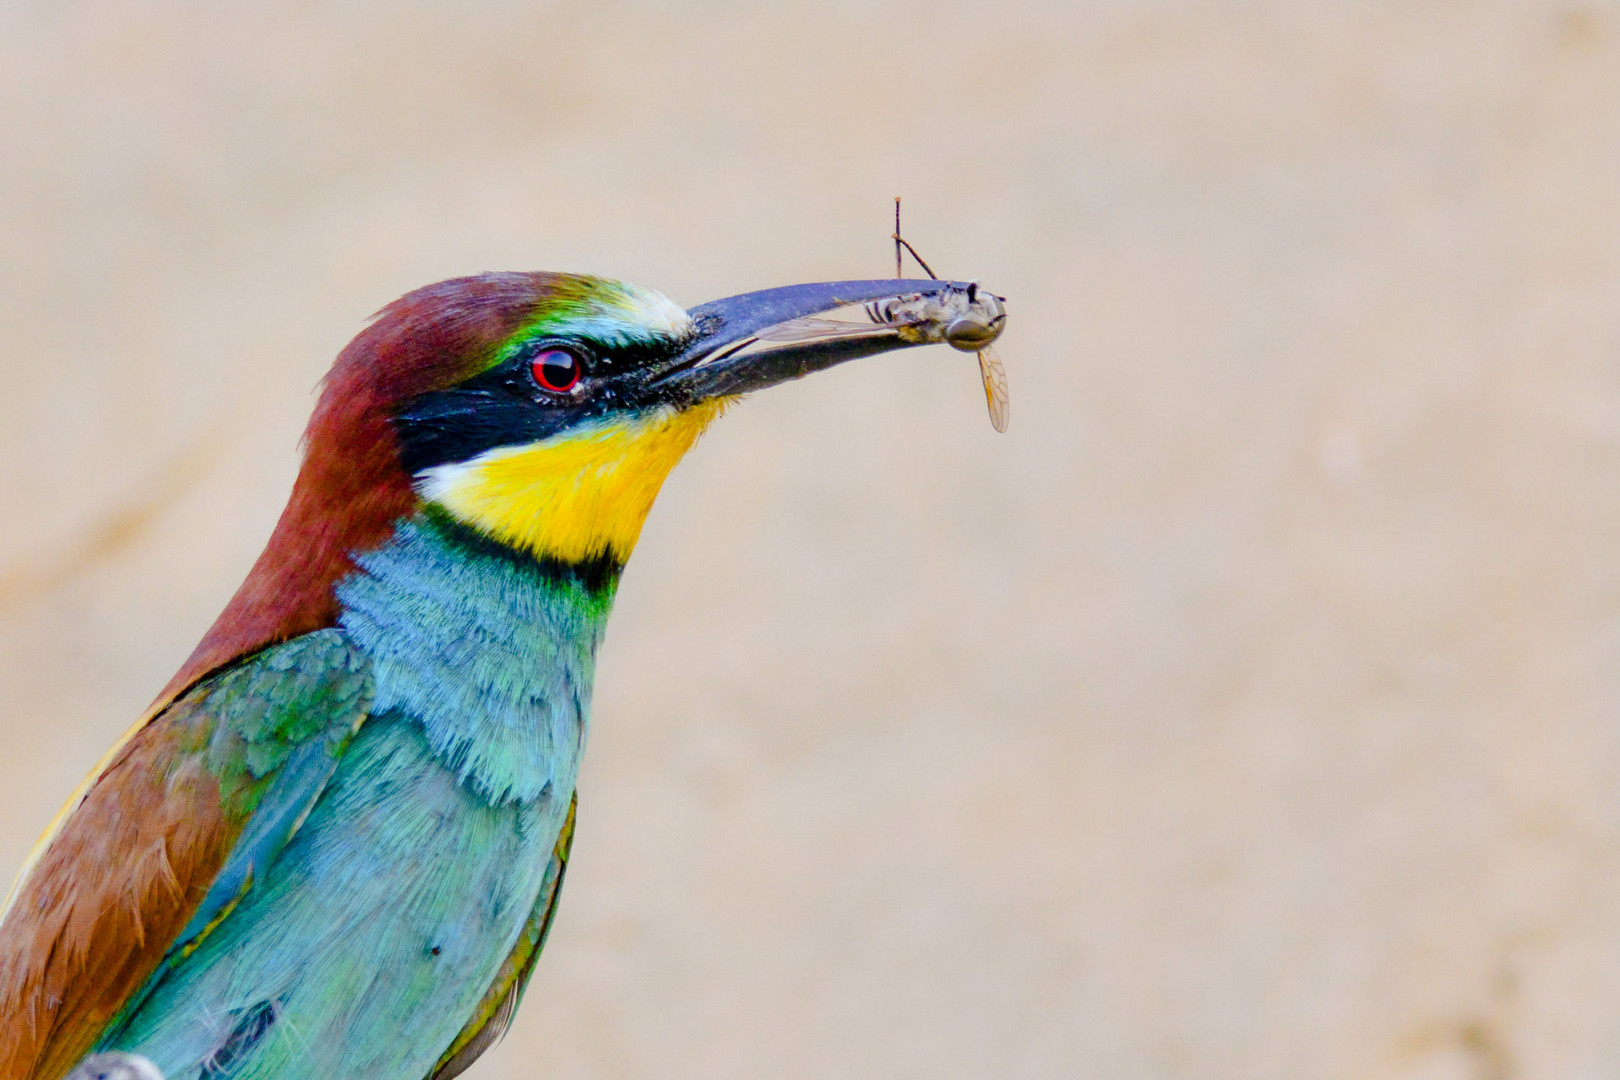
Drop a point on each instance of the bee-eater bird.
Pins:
(333, 846)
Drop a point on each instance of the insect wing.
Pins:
(813, 328)
(995, 388)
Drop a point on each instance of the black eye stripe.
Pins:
(460, 424)
(509, 405)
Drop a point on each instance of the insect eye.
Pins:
(556, 370)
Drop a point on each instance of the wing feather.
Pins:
(163, 840)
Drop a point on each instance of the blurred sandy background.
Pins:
(1252, 710)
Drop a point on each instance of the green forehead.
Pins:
(607, 313)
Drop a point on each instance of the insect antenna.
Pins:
(898, 269)
(901, 242)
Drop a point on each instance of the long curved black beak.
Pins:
(759, 339)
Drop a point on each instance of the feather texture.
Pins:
(498, 1006)
(414, 885)
(136, 871)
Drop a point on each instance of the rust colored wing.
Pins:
(162, 840)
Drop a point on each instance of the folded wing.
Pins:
(164, 842)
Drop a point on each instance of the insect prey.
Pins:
(968, 318)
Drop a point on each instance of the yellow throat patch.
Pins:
(576, 496)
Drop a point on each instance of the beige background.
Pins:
(1252, 710)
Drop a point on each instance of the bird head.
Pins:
(541, 411)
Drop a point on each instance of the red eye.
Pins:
(556, 370)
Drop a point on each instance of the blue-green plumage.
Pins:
(424, 859)
(492, 653)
